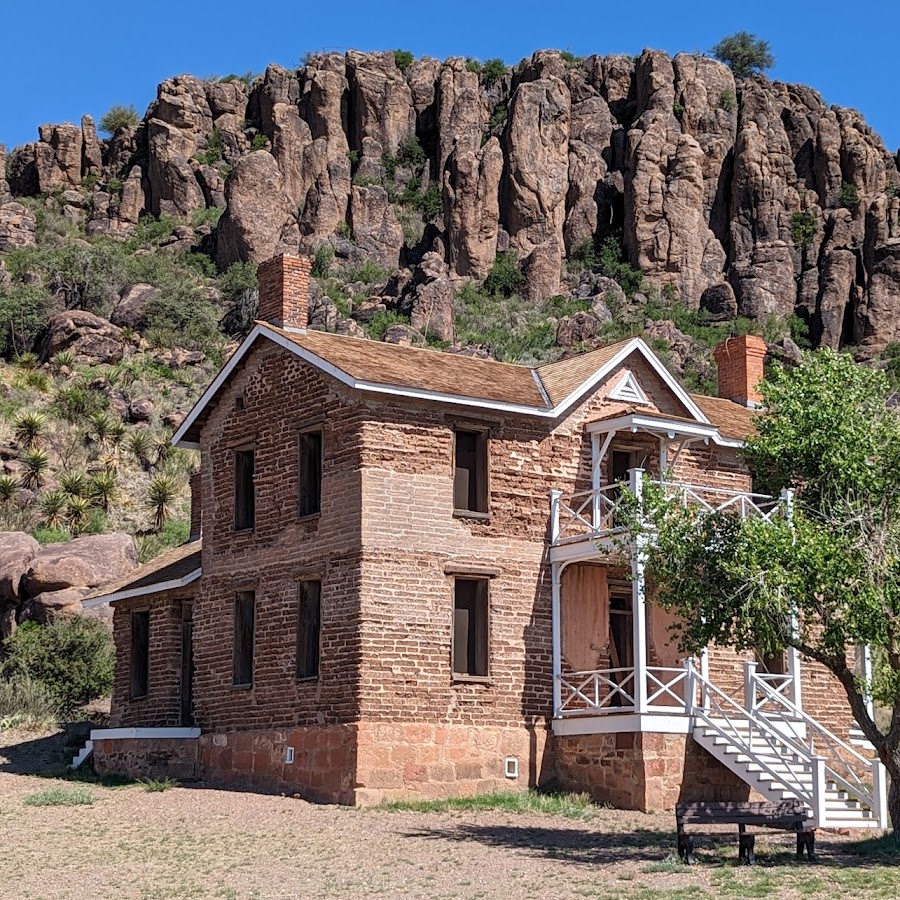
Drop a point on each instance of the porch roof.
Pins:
(672, 427)
(172, 570)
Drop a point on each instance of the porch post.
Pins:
(866, 652)
(638, 601)
(793, 655)
(555, 579)
(596, 511)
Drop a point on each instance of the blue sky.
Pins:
(60, 60)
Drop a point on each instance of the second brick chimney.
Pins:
(284, 291)
(740, 361)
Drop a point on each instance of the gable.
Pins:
(628, 390)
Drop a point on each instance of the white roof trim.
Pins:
(636, 344)
(628, 390)
(661, 423)
(171, 585)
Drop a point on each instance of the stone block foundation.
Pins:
(176, 758)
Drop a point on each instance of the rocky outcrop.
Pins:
(131, 310)
(17, 550)
(92, 339)
(707, 183)
(85, 562)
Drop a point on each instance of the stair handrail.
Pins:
(773, 738)
(831, 748)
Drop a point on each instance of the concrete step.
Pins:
(82, 755)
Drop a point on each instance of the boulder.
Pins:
(17, 550)
(93, 340)
(58, 157)
(130, 311)
(17, 227)
(430, 302)
(375, 226)
(578, 329)
(140, 410)
(84, 562)
(719, 303)
(46, 605)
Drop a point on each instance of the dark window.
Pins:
(308, 629)
(310, 473)
(244, 491)
(470, 627)
(140, 654)
(244, 616)
(470, 481)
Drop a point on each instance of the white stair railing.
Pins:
(755, 738)
(843, 764)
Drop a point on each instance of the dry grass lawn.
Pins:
(71, 839)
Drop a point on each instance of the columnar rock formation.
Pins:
(753, 194)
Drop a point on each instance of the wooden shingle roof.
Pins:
(563, 377)
(733, 420)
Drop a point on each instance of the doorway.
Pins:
(186, 710)
(621, 643)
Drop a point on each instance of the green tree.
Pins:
(117, 117)
(23, 312)
(72, 657)
(828, 580)
(744, 53)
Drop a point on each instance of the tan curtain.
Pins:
(584, 610)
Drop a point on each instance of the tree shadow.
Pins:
(46, 755)
(572, 844)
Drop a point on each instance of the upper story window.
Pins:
(244, 628)
(140, 654)
(470, 477)
(310, 466)
(244, 490)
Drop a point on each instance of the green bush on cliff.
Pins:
(72, 657)
(744, 53)
(117, 117)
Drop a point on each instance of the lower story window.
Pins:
(470, 627)
(308, 628)
(244, 623)
(140, 653)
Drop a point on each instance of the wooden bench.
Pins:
(789, 815)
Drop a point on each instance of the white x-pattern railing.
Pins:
(612, 691)
(596, 513)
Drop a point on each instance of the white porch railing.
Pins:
(593, 513)
(612, 691)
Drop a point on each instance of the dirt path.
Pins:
(207, 843)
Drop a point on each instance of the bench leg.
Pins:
(746, 847)
(685, 847)
(806, 840)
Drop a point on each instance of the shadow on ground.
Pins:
(44, 755)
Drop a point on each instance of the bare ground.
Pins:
(201, 842)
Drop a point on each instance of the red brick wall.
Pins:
(162, 705)
(284, 291)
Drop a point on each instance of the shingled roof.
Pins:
(545, 391)
(170, 571)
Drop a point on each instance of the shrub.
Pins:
(410, 152)
(173, 534)
(493, 69)
(678, 110)
(208, 216)
(505, 278)
(611, 264)
(75, 403)
(183, 319)
(215, 149)
(26, 703)
(429, 202)
(498, 116)
(158, 785)
(9, 485)
(377, 326)
(78, 514)
(73, 484)
(727, 101)
(848, 196)
(744, 53)
(117, 117)
(570, 59)
(72, 657)
(323, 259)
(803, 229)
(35, 463)
(151, 230)
(368, 272)
(239, 287)
(473, 65)
(259, 142)
(404, 59)
(30, 429)
(24, 309)
(141, 445)
(52, 507)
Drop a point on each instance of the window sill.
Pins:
(471, 514)
(312, 517)
(138, 698)
(242, 687)
(471, 679)
(307, 679)
(245, 530)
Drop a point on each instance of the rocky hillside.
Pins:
(750, 199)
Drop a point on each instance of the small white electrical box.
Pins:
(511, 767)
(289, 755)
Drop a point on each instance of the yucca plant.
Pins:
(27, 360)
(164, 447)
(141, 445)
(99, 430)
(35, 462)
(52, 507)
(74, 484)
(161, 497)
(65, 359)
(117, 433)
(30, 429)
(8, 487)
(107, 462)
(104, 489)
(78, 513)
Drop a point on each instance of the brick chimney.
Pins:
(284, 291)
(196, 508)
(740, 361)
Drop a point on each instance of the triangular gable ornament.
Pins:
(628, 390)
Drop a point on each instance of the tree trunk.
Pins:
(893, 769)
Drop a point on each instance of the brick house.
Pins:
(409, 584)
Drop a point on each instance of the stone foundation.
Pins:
(147, 758)
(647, 772)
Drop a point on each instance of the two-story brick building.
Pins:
(409, 582)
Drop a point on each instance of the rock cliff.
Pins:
(752, 198)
